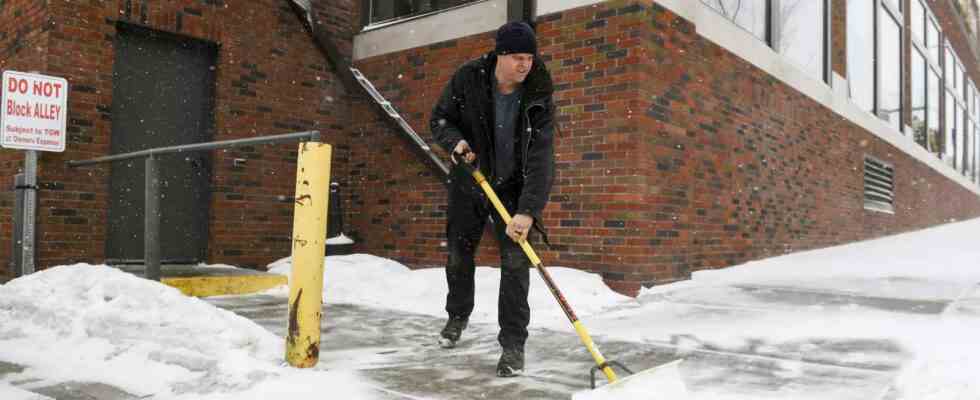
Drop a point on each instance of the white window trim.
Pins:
(463, 21)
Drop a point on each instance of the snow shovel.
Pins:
(606, 366)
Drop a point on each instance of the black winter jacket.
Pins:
(465, 112)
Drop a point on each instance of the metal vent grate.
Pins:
(879, 185)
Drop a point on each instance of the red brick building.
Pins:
(692, 135)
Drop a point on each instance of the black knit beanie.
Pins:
(516, 37)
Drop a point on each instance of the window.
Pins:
(894, 4)
(801, 34)
(968, 140)
(918, 112)
(950, 63)
(976, 158)
(976, 103)
(860, 53)
(796, 29)
(918, 21)
(959, 138)
(949, 144)
(960, 77)
(933, 96)
(890, 69)
(751, 15)
(387, 10)
(926, 77)
(932, 39)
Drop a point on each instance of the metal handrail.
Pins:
(313, 136)
(151, 211)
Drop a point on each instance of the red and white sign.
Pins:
(34, 112)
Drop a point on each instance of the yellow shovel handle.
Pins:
(583, 334)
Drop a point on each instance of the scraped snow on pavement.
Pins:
(380, 282)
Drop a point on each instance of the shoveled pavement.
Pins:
(398, 352)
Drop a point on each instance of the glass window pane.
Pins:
(801, 35)
(949, 152)
(958, 137)
(890, 95)
(382, 10)
(919, 97)
(968, 150)
(950, 66)
(748, 14)
(932, 40)
(959, 78)
(976, 103)
(918, 21)
(896, 4)
(976, 158)
(860, 52)
(932, 100)
(968, 100)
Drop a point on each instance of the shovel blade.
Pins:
(660, 382)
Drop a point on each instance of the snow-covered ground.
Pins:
(904, 310)
(89, 323)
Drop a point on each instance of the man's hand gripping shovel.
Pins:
(615, 385)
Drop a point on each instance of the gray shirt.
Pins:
(506, 110)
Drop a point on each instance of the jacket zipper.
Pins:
(530, 131)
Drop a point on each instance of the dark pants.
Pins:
(467, 218)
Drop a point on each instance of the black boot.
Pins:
(451, 332)
(511, 362)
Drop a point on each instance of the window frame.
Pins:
(917, 54)
(883, 9)
(933, 66)
(367, 7)
(775, 36)
(874, 64)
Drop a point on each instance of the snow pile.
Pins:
(380, 282)
(947, 252)
(340, 239)
(98, 324)
(938, 264)
(946, 372)
(946, 366)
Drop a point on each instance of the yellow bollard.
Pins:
(309, 245)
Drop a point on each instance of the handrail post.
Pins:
(151, 219)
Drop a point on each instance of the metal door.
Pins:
(162, 95)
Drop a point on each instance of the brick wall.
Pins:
(23, 47)
(270, 80)
(398, 204)
(674, 155)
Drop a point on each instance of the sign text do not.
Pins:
(33, 114)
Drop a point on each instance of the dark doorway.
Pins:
(162, 95)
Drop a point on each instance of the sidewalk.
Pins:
(397, 350)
